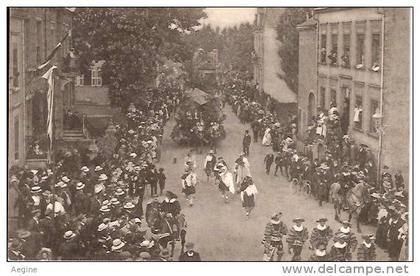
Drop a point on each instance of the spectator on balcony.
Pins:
(333, 57)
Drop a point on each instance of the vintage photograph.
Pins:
(209, 134)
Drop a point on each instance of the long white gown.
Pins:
(266, 141)
(242, 171)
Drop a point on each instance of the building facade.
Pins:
(267, 62)
(359, 59)
(33, 34)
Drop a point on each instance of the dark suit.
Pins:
(246, 142)
(186, 258)
(33, 225)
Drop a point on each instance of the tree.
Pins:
(131, 40)
(288, 35)
(237, 47)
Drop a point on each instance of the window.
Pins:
(360, 50)
(52, 38)
(345, 58)
(334, 44)
(15, 65)
(16, 142)
(80, 80)
(333, 96)
(334, 49)
(322, 98)
(323, 44)
(323, 48)
(96, 78)
(376, 45)
(358, 113)
(38, 42)
(374, 108)
(360, 45)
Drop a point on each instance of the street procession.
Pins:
(169, 135)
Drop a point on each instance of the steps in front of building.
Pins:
(73, 135)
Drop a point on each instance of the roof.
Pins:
(309, 23)
(332, 9)
(198, 96)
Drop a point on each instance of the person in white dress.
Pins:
(242, 169)
(225, 181)
(266, 141)
(189, 183)
(248, 195)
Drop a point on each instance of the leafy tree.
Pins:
(131, 40)
(289, 38)
(238, 46)
(234, 44)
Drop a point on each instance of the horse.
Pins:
(171, 229)
(357, 198)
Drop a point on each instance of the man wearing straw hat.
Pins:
(273, 234)
(80, 205)
(340, 251)
(367, 250)
(321, 234)
(296, 238)
(70, 249)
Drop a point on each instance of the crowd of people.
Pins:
(345, 175)
(91, 207)
(88, 207)
(344, 242)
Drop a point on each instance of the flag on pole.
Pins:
(50, 100)
(54, 51)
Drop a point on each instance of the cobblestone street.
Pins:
(221, 231)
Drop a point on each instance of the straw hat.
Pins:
(80, 186)
(23, 234)
(36, 189)
(117, 244)
(129, 205)
(102, 227)
(98, 188)
(104, 209)
(102, 177)
(119, 192)
(69, 234)
(60, 184)
(298, 220)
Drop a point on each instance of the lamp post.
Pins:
(377, 119)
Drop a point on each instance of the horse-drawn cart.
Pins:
(199, 120)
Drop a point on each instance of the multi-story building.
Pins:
(267, 62)
(33, 34)
(359, 59)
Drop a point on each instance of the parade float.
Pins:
(199, 120)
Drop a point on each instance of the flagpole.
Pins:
(52, 147)
(51, 132)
